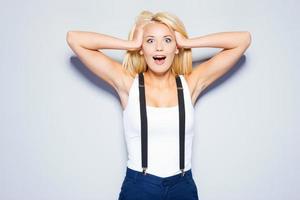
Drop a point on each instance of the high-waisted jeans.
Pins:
(137, 186)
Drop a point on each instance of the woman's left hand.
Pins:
(180, 40)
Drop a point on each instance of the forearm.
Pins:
(225, 40)
(95, 41)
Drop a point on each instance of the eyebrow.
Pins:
(154, 36)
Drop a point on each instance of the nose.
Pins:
(159, 46)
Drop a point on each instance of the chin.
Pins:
(159, 68)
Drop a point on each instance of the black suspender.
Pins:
(144, 127)
(181, 124)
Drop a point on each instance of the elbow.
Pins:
(70, 37)
(247, 38)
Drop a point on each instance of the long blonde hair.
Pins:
(136, 63)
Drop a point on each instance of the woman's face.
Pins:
(159, 46)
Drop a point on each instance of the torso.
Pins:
(168, 95)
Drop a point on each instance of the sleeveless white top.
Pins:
(163, 133)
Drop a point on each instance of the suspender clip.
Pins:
(144, 170)
(182, 172)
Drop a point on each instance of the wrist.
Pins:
(185, 43)
(132, 45)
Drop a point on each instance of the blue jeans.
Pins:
(137, 186)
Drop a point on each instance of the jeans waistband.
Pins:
(137, 175)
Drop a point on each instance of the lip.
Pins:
(160, 61)
(159, 55)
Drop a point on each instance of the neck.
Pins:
(159, 81)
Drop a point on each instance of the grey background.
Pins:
(61, 131)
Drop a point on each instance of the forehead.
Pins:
(157, 29)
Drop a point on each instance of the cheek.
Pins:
(171, 57)
(146, 48)
(170, 47)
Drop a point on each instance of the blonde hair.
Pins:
(182, 63)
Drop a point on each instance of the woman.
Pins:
(157, 69)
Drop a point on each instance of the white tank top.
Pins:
(163, 134)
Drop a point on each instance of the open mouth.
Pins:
(159, 58)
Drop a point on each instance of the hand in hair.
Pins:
(180, 40)
(138, 33)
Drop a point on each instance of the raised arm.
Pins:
(234, 45)
(86, 46)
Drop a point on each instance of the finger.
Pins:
(177, 34)
(143, 23)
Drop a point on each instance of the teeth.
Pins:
(159, 57)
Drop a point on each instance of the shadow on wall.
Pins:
(93, 78)
(223, 78)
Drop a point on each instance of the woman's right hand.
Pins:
(137, 39)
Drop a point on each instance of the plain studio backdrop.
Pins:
(61, 131)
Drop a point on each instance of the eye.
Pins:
(149, 40)
(168, 40)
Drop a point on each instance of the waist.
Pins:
(170, 180)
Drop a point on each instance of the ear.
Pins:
(176, 51)
(141, 52)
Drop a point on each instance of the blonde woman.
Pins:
(158, 87)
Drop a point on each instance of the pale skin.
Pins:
(152, 39)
